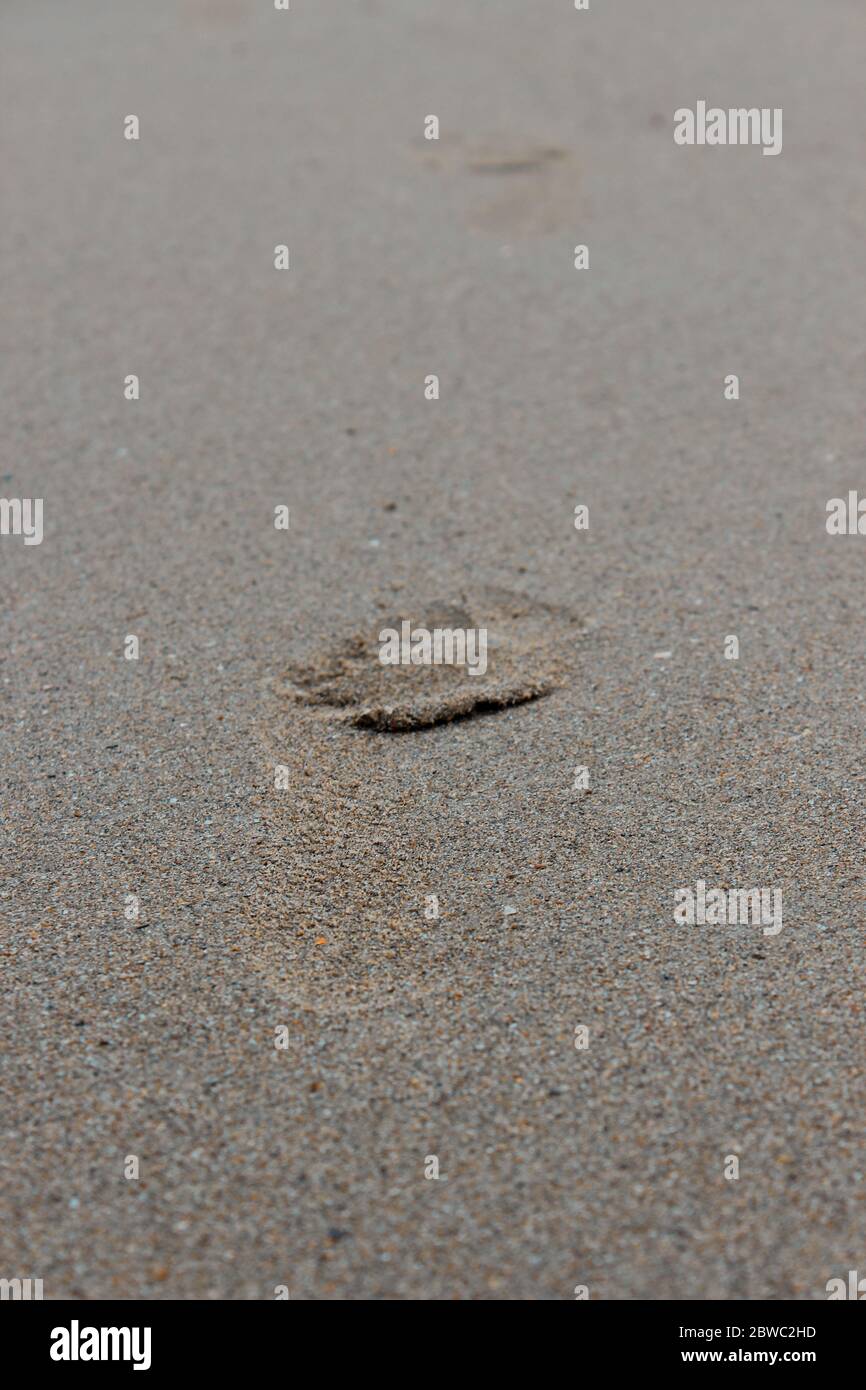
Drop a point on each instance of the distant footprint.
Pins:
(529, 189)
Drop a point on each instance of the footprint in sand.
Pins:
(525, 657)
(515, 188)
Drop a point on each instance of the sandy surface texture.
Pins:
(398, 867)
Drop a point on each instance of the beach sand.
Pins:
(303, 908)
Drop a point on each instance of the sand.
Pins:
(308, 908)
